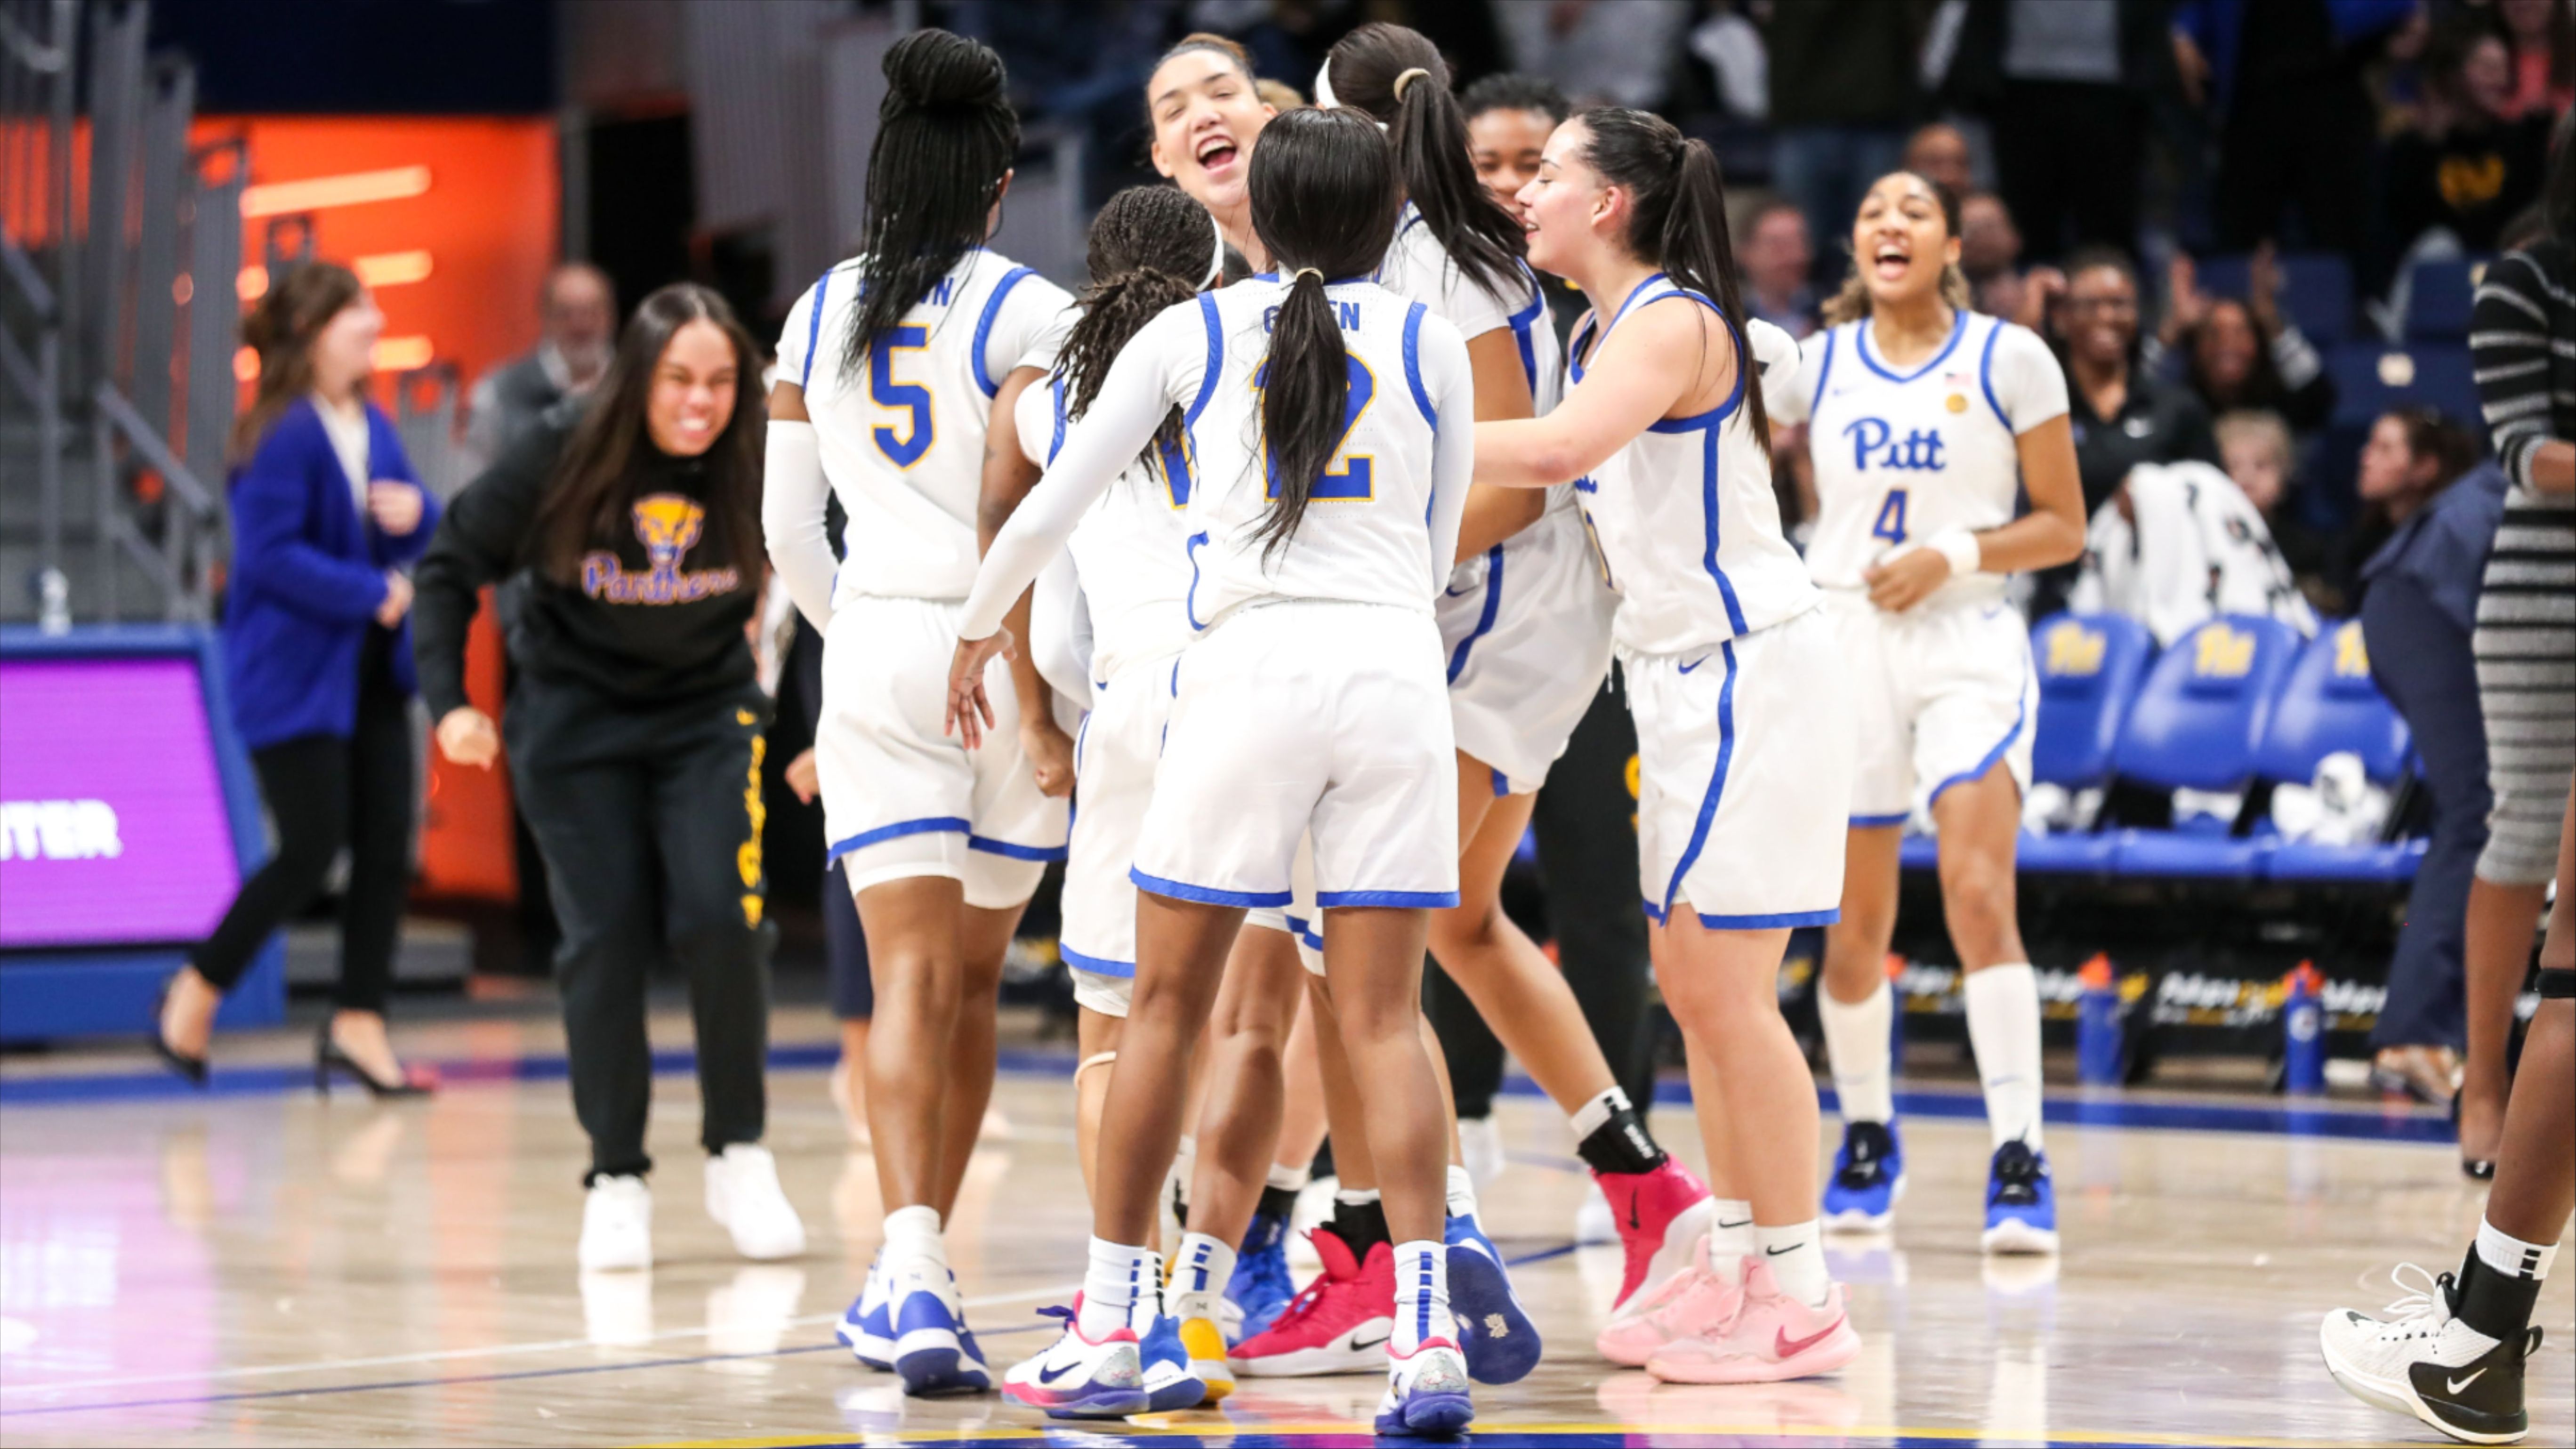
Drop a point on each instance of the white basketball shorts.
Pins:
(1300, 719)
(1744, 758)
(1526, 633)
(901, 797)
(1938, 698)
(1114, 760)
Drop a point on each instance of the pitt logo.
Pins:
(668, 526)
(2075, 652)
(2352, 657)
(2223, 653)
(1918, 452)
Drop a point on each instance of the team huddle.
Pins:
(1265, 601)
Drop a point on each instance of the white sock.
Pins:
(1355, 1196)
(1288, 1179)
(2513, 1257)
(912, 1239)
(1185, 1165)
(1594, 1115)
(1421, 1296)
(2003, 1025)
(1121, 1281)
(1856, 1046)
(1200, 1270)
(1796, 1257)
(1462, 1192)
(1730, 1238)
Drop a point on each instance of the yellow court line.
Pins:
(1155, 1426)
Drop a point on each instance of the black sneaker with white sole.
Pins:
(2423, 1361)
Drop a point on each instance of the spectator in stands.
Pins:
(1777, 258)
(577, 313)
(1591, 49)
(2417, 610)
(325, 509)
(2544, 60)
(1509, 118)
(2246, 354)
(2067, 84)
(2293, 118)
(1939, 152)
(2263, 462)
(1843, 85)
(1989, 256)
(2412, 454)
(2472, 161)
(2526, 640)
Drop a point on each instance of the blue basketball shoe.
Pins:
(1500, 1342)
(1261, 1286)
(868, 1326)
(933, 1350)
(2021, 1204)
(1869, 1177)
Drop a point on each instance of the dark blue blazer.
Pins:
(308, 574)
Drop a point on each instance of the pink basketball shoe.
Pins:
(1660, 1214)
(1773, 1337)
(1691, 1303)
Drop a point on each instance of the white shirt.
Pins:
(1902, 454)
(1383, 524)
(1683, 514)
(1131, 550)
(347, 429)
(901, 438)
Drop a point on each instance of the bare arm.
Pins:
(1637, 376)
(1009, 474)
(1502, 393)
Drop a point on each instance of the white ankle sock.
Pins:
(1462, 1192)
(1856, 1045)
(1120, 1281)
(1288, 1179)
(1730, 1238)
(1355, 1196)
(1796, 1257)
(1421, 1296)
(1202, 1266)
(2003, 1025)
(912, 1238)
(1592, 1116)
(2513, 1257)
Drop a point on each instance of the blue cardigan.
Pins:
(307, 577)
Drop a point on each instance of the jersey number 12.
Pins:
(1352, 479)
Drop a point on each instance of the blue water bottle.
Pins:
(2303, 1030)
(2097, 1024)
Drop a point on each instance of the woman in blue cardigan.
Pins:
(317, 649)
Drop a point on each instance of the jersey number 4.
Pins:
(1351, 480)
(887, 391)
(1891, 518)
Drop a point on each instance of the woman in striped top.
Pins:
(2522, 336)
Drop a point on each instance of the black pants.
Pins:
(845, 949)
(2305, 143)
(2066, 162)
(1586, 822)
(326, 792)
(2423, 664)
(649, 820)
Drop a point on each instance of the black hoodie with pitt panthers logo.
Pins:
(647, 621)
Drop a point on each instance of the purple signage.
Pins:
(113, 827)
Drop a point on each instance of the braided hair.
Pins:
(1152, 248)
(946, 137)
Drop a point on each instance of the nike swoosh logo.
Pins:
(1633, 1220)
(1776, 1252)
(1748, 1222)
(1785, 1347)
(1694, 664)
(2453, 1386)
(1050, 1375)
(1358, 1344)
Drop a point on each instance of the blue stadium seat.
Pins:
(2316, 290)
(2200, 714)
(2438, 295)
(2328, 704)
(2089, 667)
(2370, 378)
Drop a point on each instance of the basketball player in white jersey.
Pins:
(887, 371)
(1923, 422)
(1329, 420)
(1742, 711)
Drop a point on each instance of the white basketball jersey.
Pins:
(901, 436)
(1418, 267)
(1131, 549)
(1684, 518)
(1367, 533)
(1902, 454)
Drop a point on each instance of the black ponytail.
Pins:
(1323, 201)
(1152, 248)
(1368, 68)
(946, 136)
(1678, 222)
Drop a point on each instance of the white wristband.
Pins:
(1960, 547)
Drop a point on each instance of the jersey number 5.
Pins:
(1352, 480)
(886, 391)
(1891, 518)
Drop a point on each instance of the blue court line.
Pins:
(2080, 1110)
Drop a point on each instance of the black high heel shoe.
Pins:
(329, 1061)
(193, 1069)
(2475, 1169)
